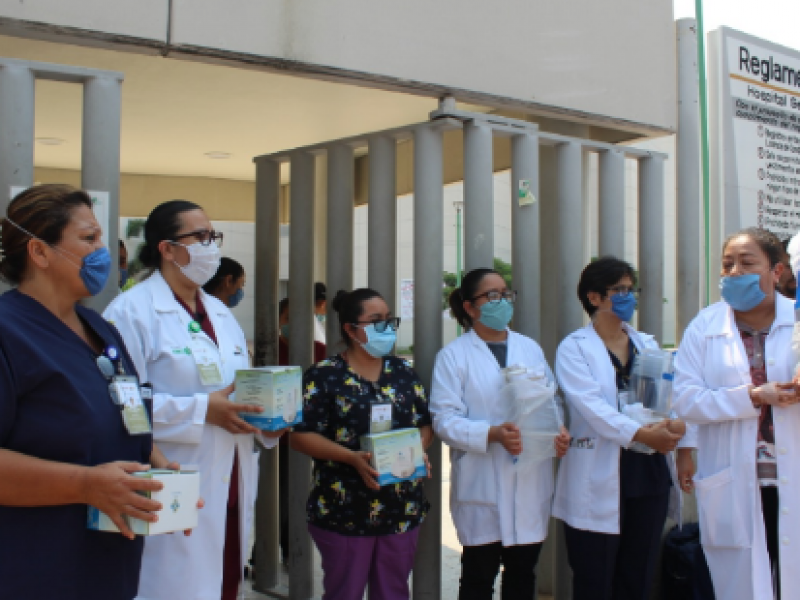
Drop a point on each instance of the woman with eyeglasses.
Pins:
(65, 441)
(500, 511)
(365, 533)
(613, 500)
(188, 346)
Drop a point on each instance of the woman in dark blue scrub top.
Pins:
(63, 443)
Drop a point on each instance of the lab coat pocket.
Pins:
(723, 523)
(473, 475)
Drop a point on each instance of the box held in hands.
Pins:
(397, 455)
(278, 390)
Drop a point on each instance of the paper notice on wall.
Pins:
(100, 207)
(406, 299)
(524, 193)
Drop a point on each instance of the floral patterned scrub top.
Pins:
(337, 405)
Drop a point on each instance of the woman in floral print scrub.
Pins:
(365, 533)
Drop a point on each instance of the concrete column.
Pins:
(525, 238)
(651, 245)
(688, 164)
(341, 177)
(382, 220)
(266, 277)
(569, 168)
(612, 203)
(301, 339)
(478, 198)
(428, 268)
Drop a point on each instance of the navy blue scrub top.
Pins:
(55, 405)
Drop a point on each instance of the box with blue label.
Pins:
(277, 389)
(178, 500)
(396, 455)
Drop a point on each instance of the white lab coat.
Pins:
(155, 328)
(490, 498)
(712, 375)
(587, 491)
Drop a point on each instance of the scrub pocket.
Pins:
(473, 475)
(723, 523)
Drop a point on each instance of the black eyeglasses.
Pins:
(382, 324)
(624, 290)
(204, 236)
(494, 296)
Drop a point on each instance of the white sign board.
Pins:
(754, 133)
(406, 299)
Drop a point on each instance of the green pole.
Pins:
(458, 256)
(701, 68)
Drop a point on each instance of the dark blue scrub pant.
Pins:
(619, 567)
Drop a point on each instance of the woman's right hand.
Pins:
(224, 413)
(359, 460)
(658, 437)
(112, 489)
(776, 394)
(508, 436)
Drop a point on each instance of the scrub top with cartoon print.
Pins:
(337, 405)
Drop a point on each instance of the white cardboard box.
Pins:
(396, 455)
(178, 499)
(277, 389)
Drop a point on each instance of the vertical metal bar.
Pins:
(102, 106)
(525, 238)
(382, 219)
(478, 197)
(301, 338)
(341, 176)
(266, 277)
(651, 245)
(612, 203)
(428, 269)
(688, 199)
(569, 168)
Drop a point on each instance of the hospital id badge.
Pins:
(380, 418)
(125, 393)
(206, 357)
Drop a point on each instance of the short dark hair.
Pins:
(350, 306)
(599, 275)
(163, 223)
(769, 243)
(320, 291)
(469, 287)
(227, 266)
(44, 211)
(283, 305)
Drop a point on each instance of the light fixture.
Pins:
(50, 141)
(216, 154)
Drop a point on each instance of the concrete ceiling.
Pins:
(174, 112)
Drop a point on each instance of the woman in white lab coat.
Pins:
(613, 500)
(732, 379)
(188, 346)
(501, 513)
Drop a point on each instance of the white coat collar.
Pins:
(589, 333)
(164, 298)
(476, 340)
(723, 322)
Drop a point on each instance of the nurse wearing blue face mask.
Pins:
(501, 510)
(227, 284)
(613, 500)
(365, 533)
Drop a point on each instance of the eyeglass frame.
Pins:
(212, 234)
(385, 323)
(509, 296)
(629, 289)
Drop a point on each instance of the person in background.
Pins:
(227, 284)
(123, 265)
(787, 282)
(365, 533)
(320, 312)
(188, 345)
(501, 510)
(283, 340)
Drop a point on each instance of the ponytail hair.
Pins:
(469, 287)
(350, 306)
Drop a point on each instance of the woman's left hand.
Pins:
(685, 466)
(562, 442)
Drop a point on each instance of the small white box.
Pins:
(396, 455)
(277, 389)
(178, 499)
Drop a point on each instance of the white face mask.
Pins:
(203, 262)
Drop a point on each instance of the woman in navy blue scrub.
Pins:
(63, 443)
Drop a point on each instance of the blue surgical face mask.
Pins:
(742, 293)
(320, 318)
(123, 277)
(235, 298)
(379, 344)
(623, 305)
(497, 315)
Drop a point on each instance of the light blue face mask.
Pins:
(379, 343)
(321, 318)
(235, 298)
(497, 315)
(742, 293)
